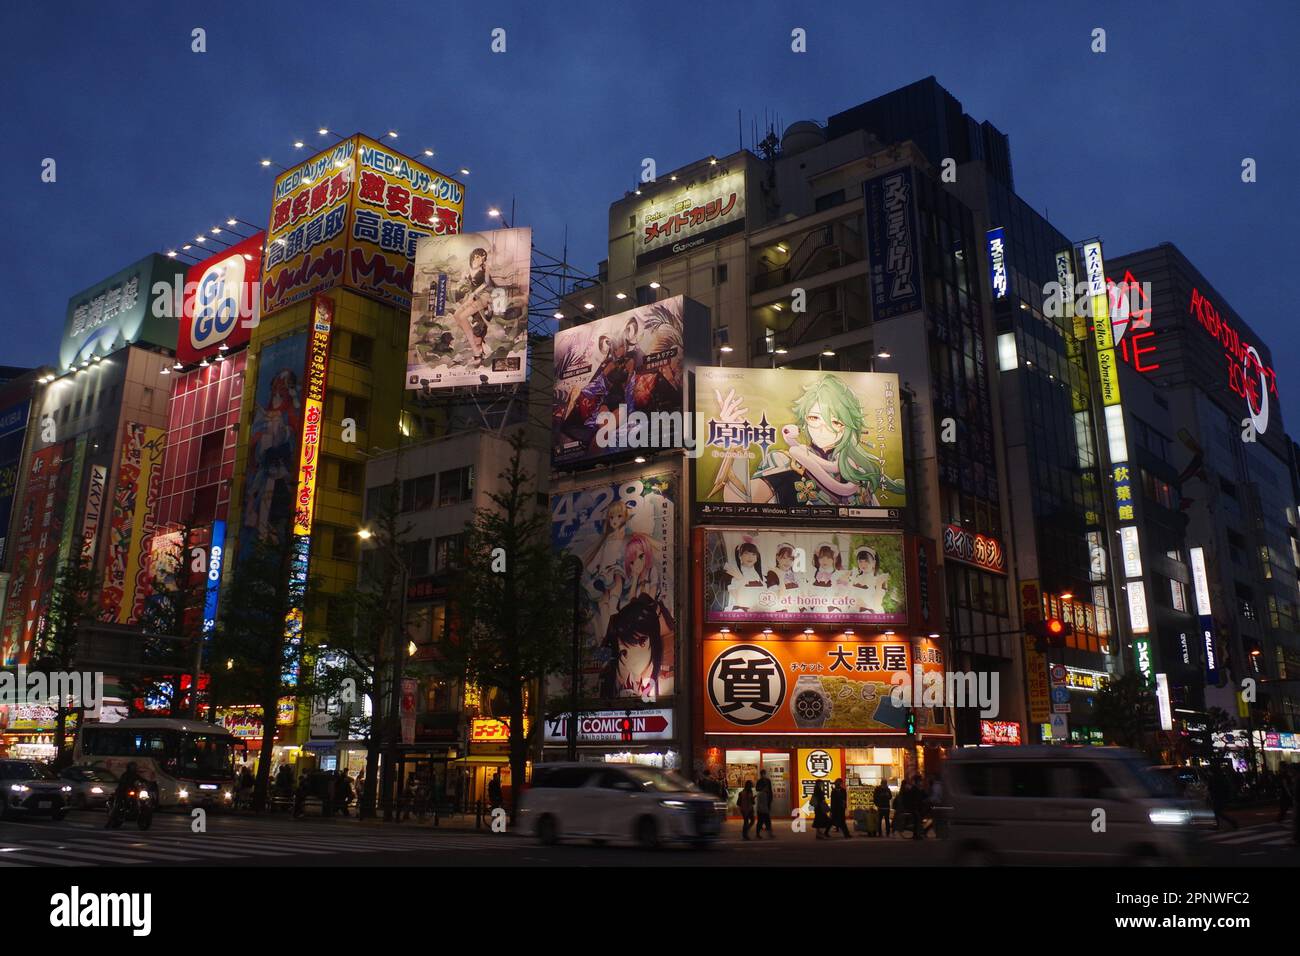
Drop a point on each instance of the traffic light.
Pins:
(625, 729)
(1050, 632)
(911, 722)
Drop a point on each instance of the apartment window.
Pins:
(722, 273)
(352, 477)
(415, 555)
(357, 408)
(379, 500)
(455, 486)
(418, 493)
(361, 349)
(828, 200)
(447, 551)
(344, 546)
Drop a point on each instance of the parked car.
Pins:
(92, 786)
(1064, 805)
(618, 803)
(28, 787)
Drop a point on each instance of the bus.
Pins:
(192, 763)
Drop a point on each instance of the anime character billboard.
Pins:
(271, 470)
(804, 577)
(798, 444)
(624, 535)
(625, 365)
(469, 310)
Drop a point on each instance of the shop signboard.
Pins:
(13, 430)
(222, 301)
(607, 726)
(808, 686)
(122, 310)
(980, 550)
(139, 480)
(469, 310)
(997, 248)
(1037, 686)
(624, 534)
(820, 447)
(1000, 733)
(894, 243)
(37, 527)
(817, 767)
(804, 577)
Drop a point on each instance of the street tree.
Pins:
(71, 605)
(1120, 709)
(509, 604)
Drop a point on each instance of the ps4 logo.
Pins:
(217, 302)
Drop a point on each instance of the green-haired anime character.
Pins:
(827, 461)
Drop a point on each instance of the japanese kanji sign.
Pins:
(689, 214)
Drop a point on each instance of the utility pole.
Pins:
(572, 726)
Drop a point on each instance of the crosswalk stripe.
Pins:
(192, 851)
(1246, 835)
(95, 857)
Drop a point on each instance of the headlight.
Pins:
(183, 794)
(19, 787)
(66, 789)
(144, 794)
(674, 804)
(227, 794)
(1168, 817)
(96, 790)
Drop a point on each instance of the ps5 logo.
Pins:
(217, 301)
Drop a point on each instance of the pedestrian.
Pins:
(882, 796)
(495, 798)
(343, 792)
(918, 806)
(745, 803)
(1285, 796)
(407, 798)
(839, 808)
(300, 797)
(821, 813)
(1219, 787)
(902, 800)
(764, 807)
(934, 804)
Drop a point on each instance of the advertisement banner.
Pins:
(1037, 685)
(139, 567)
(819, 767)
(624, 535)
(997, 248)
(120, 310)
(690, 214)
(823, 446)
(609, 370)
(273, 443)
(94, 513)
(212, 583)
(222, 301)
(73, 500)
(469, 310)
(980, 550)
(318, 353)
(807, 686)
(142, 454)
(894, 241)
(410, 687)
(606, 726)
(13, 429)
(804, 577)
(38, 525)
(352, 215)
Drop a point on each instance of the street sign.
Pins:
(1060, 695)
(1058, 674)
(1060, 708)
(1060, 727)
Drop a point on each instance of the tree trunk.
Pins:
(61, 759)
(270, 714)
(367, 811)
(518, 749)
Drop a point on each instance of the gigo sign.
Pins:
(221, 301)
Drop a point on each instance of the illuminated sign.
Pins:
(817, 768)
(1162, 701)
(1065, 279)
(222, 303)
(1108, 376)
(212, 587)
(121, 310)
(893, 241)
(94, 512)
(689, 215)
(1201, 585)
(1247, 374)
(1128, 538)
(1000, 733)
(962, 544)
(489, 729)
(607, 725)
(998, 262)
(1078, 678)
(318, 349)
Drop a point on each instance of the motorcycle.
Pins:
(137, 805)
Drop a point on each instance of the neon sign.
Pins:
(1247, 373)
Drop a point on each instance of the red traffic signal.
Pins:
(1051, 631)
(625, 729)
(1055, 627)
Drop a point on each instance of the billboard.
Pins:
(271, 469)
(806, 686)
(469, 310)
(625, 536)
(37, 532)
(690, 214)
(222, 303)
(811, 445)
(894, 244)
(617, 366)
(13, 429)
(120, 310)
(128, 567)
(313, 415)
(352, 215)
(804, 577)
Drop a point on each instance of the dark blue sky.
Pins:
(153, 142)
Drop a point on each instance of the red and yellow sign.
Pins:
(820, 766)
(352, 215)
(1036, 682)
(313, 414)
(810, 686)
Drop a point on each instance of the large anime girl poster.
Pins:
(798, 443)
(624, 536)
(271, 469)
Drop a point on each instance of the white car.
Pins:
(1063, 805)
(618, 802)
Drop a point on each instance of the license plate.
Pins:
(43, 804)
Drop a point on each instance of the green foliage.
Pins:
(1119, 709)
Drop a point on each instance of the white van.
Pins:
(609, 802)
(1063, 805)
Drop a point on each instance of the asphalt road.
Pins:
(81, 840)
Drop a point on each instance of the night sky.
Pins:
(154, 143)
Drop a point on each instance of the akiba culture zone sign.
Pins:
(1248, 376)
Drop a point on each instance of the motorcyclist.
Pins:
(130, 778)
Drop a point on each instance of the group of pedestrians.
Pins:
(756, 801)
